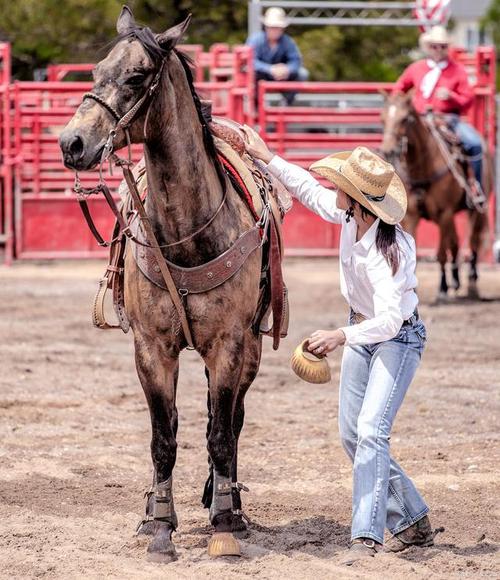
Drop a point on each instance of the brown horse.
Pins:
(187, 190)
(435, 193)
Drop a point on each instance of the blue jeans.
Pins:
(373, 382)
(301, 75)
(471, 142)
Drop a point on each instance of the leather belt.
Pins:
(357, 318)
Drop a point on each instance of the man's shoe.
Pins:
(419, 534)
(360, 549)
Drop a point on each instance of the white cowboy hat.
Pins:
(275, 18)
(368, 179)
(436, 35)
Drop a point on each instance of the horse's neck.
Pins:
(424, 157)
(184, 191)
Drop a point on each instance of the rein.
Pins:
(124, 228)
(439, 173)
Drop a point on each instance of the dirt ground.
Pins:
(74, 441)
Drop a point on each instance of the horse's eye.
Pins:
(135, 80)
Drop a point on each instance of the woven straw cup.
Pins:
(368, 179)
(310, 367)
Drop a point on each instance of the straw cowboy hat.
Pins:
(368, 179)
(275, 18)
(436, 35)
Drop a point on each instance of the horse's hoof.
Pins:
(441, 298)
(161, 552)
(161, 548)
(223, 544)
(146, 529)
(162, 557)
(473, 294)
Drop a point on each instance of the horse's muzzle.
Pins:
(76, 154)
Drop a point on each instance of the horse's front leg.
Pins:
(225, 368)
(252, 356)
(157, 367)
(478, 223)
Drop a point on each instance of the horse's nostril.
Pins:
(76, 147)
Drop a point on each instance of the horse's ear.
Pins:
(125, 21)
(168, 39)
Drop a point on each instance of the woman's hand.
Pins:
(322, 342)
(255, 146)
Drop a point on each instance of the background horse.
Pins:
(434, 193)
(186, 190)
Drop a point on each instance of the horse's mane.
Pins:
(157, 53)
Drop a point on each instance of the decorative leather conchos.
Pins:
(200, 278)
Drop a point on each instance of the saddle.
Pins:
(267, 200)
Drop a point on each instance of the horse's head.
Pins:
(126, 78)
(397, 115)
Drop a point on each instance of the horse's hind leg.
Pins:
(447, 233)
(478, 223)
(455, 270)
(158, 373)
(253, 350)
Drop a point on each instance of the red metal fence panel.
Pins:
(328, 117)
(346, 115)
(48, 222)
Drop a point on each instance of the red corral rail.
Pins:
(340, 116)
(48, 222)
(326, 117)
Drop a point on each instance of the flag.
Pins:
(436, 10)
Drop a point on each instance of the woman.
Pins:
(383, 342)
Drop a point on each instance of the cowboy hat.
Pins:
(436, 35)
(368, 179)
(275, 18)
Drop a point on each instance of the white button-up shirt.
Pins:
(366, 279)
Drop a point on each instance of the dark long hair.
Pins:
(386, 240)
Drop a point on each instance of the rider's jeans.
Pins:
(373, 382)
(471, 142)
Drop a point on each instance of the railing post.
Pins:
(496, 243)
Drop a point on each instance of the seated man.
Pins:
(276, 56)
(441, 84)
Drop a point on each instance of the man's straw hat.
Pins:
(436, 35)
(368, 179)
(275, 18)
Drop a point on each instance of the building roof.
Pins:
(468, 9)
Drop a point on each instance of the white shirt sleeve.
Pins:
(388, 291)
(302, 185)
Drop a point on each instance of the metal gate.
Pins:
(327, 117)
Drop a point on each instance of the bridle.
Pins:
(123, 123)
(123, 227)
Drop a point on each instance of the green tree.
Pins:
(49, 31)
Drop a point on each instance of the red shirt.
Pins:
(453, 77)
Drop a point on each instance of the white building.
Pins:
(466, 16)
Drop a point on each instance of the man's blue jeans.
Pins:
(373, 382)
(471, 142)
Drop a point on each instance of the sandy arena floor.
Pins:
(74, 441)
